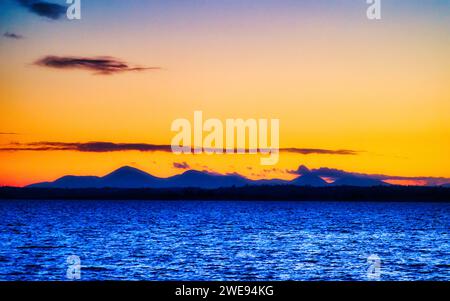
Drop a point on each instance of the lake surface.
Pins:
(226, 240)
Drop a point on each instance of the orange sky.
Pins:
(335, 81)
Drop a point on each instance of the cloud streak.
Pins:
(101, 147)
(90, 147)
(307, 151)
(45, 9)
(182, 165)
(104, 65)
(11, 35)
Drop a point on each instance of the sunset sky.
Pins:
(336, 80)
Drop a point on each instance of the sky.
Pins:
(335, 80)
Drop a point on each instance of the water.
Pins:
(227, 240)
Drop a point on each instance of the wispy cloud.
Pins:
(93, 147)
(11, 35)
(143, 147)
(182, 165)
(45, 9)
(307, 151)
(99, 65)
(8, 133)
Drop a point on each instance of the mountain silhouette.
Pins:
(71, 182)
(309, 179)
(195, 178)
(130, 177)
(349, 180)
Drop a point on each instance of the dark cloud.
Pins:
(94, 147)
(308, 151)
(5, 133)
(330, 172)
(45, 9)
(182, 165)
(144, 147)
(333, 174)
(11, 35)
(99, 65)
(114, 147)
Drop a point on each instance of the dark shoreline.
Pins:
(260, 193)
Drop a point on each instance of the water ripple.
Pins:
(139, 240)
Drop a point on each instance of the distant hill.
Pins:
(357, 181)
(309, 179)
(124, 177)
(194, 178)
(130, 177)
(71, 182)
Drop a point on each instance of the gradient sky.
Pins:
(334, 79)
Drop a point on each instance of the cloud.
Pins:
(182, 165)
(143, 147)
(93, 147)
(12, 35)
(45, 9)
(4, 133)
(308, 151)
(99, 65)
(333, 174)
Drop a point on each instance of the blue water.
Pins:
(227, 240)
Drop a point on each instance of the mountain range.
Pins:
(130, 177)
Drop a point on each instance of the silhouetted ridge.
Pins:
(130, 177)
(72, 182)
(309, 180)
(195, 178)
(357, 181)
